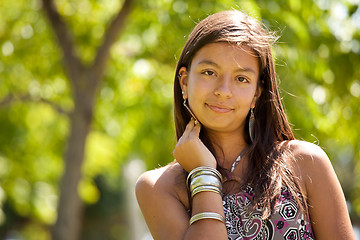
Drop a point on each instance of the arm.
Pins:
(326, 201)
(163, 204)
(165, 215)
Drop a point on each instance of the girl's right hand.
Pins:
(190, 152)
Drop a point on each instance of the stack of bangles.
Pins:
(205, 179)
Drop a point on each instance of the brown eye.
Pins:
(242, 79)
(209, 73)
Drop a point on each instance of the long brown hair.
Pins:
(268, 170)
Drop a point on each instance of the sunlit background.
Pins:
(317, 59)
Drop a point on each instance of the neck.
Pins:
(227, 146)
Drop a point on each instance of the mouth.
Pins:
(220, 108)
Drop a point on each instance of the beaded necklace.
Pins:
(235, 163)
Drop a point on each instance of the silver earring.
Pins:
(182, 93)
(252, 125)
(188, 108)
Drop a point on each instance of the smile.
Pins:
(220, 108)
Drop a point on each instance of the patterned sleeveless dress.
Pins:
(243, 222)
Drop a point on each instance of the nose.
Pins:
(223, 87)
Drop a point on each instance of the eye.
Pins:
(242, 79)
(209, 73)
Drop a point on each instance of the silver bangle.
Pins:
(206, 215)
(211, 171)
(205, 189)
(205, 180)
(207, 169)
(203, 171)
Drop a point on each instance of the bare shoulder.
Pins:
(307, 151)
(162, 194)
(169, 179)
(309, 158)
(311, 163)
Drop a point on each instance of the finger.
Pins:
(196, 129)
(184, 136)
(189, 127)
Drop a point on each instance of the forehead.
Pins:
(227, 55)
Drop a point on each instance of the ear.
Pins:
(256, 96)
(183, 80)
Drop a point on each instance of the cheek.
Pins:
(246, 94)
(245, 98)
(198, 87)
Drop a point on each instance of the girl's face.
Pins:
(221, 85)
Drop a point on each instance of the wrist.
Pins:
(202, 179)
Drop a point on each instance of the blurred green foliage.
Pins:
(317, 58)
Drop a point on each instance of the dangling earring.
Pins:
(191, 113)
(185, 103)
(252, 125)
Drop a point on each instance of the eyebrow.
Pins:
(241, 69)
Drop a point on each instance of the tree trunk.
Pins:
(68, 225)
(84, 82)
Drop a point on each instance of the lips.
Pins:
(219, 108)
